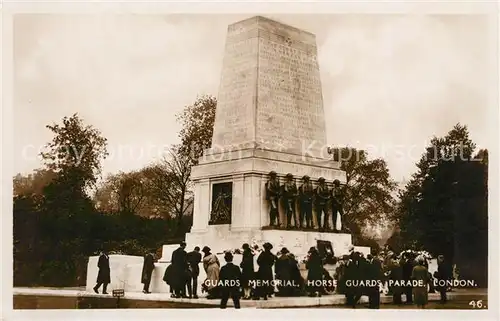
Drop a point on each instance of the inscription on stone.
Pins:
(235, 108)
(270, 90)
(290, 103)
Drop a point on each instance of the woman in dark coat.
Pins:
(314, 265)
(265, 261)
(103, 276)
(284, 269)
(247, 271)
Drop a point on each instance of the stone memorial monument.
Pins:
(269, 118)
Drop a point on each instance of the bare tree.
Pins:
(170, 185)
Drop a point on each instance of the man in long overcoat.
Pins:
(103, 276)
(147, 271)
(194, 259)
(179, 273)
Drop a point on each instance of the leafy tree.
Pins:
(443, 208)
(75, 153)
(197, 128)
(32, 184)
(123, 192)
(368, 191)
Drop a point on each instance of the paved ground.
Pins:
(76, 298)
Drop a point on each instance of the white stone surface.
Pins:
(166, 252)
(117, 264)
(222, 237)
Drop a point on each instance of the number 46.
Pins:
(476, 304)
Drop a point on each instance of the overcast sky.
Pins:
(389, 82)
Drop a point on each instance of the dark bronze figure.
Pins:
(322, 197)
(272, 196)
(306, 193)
(221, 213)
(337, 200)
(289, 196)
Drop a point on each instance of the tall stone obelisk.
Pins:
(270, 92)
(269, 116)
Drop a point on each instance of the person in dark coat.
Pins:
(194, 259)
(265, 261)
(375, 275)
(147, 271)
(230, 280)
(103, 276)
(353, 275)
(395, 277)
(314, 267)
(444, 273)
(431, 277)
(407, 264)
(284, 269)
(180, 271)
(247, 271)
(339, 275)
(297, 279)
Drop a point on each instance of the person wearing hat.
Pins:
(272, 196)
(104, 275)
(180, 271)
(147, 270)
(265, 261)
(314, 266)
(374, 273)
(339, 275)
(419, 273)
(283, 271)
(230, 281)
(306, 193)
(337, 199)
(407, 263)
(444, 273)
(289, 196)
(194, 260)
(322, 197)
(212, 268)
(247, 271)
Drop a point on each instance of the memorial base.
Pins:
(221, 238)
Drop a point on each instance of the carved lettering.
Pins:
(270, 89)
(290, 101)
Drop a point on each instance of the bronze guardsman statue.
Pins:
(322, 197)
(306, 193)
(337, 200)
(272, 196)
(289, 196)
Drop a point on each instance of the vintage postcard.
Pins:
(253, 160)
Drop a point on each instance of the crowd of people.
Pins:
(263, 274)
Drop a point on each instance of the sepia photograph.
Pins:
(253, 160)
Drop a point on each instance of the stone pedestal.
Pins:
(221, 238)
(119, 277)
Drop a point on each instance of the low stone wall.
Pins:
(126, 273)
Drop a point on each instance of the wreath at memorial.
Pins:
(426, 255)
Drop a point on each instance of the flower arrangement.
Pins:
(426, 255)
